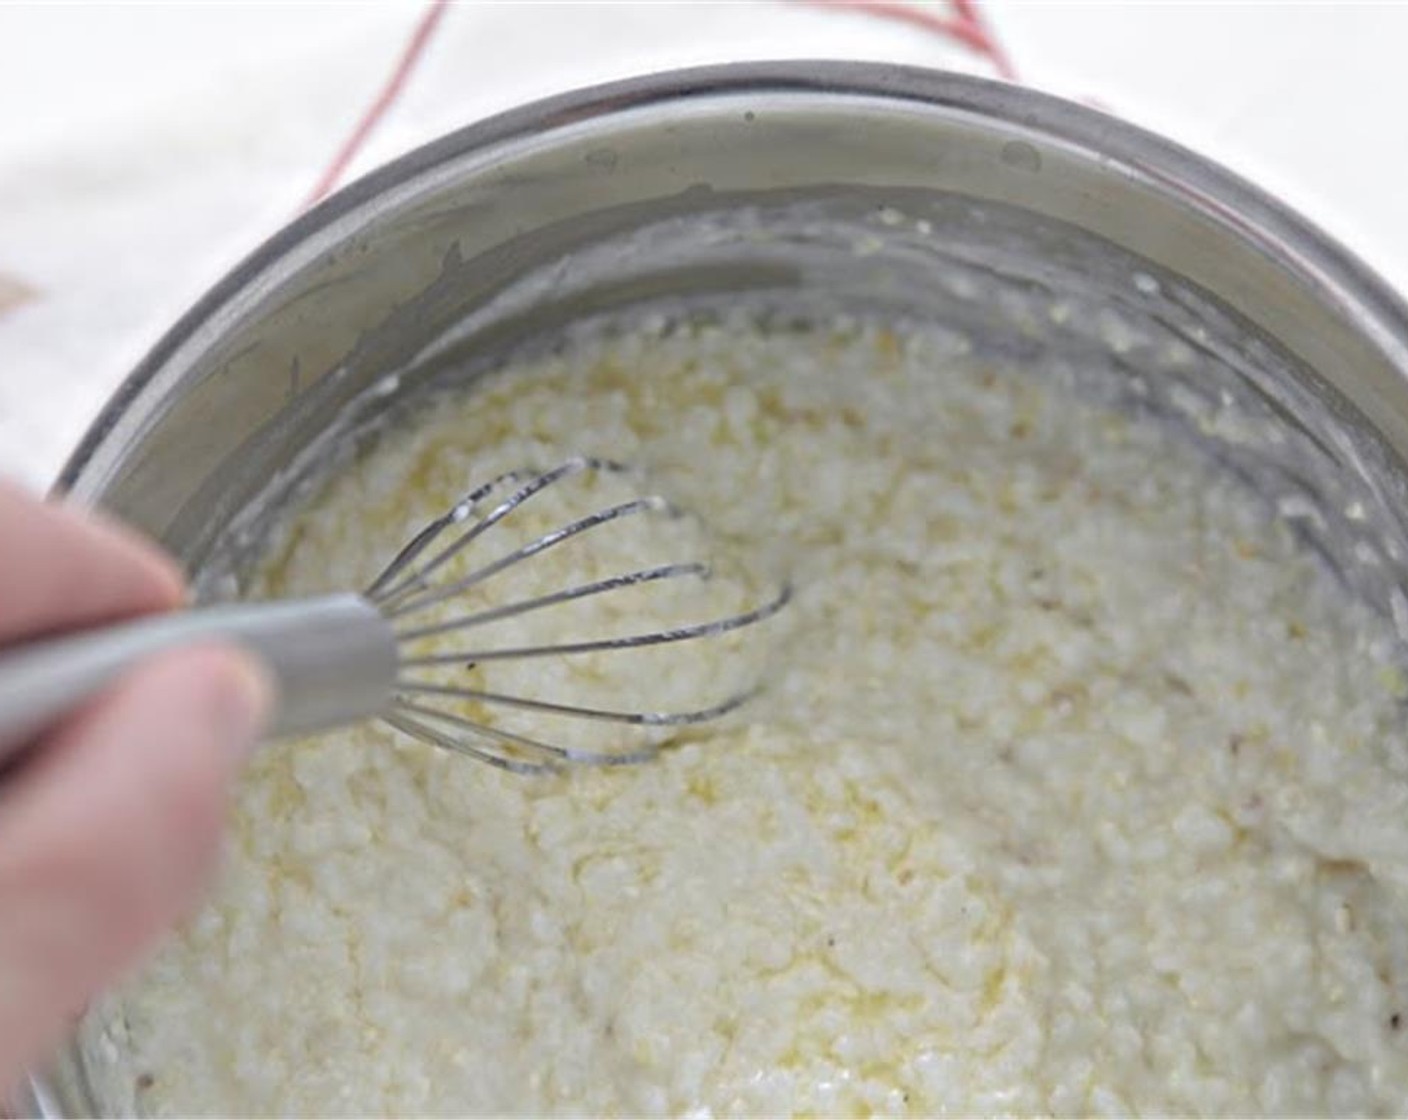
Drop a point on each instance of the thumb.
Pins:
(108, 832)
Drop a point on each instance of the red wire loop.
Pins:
(966, 26)
(385, 98)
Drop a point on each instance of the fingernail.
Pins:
(244, 704)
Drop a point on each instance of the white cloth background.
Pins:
(146, 148)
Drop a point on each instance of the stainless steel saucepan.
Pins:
(1051, 234)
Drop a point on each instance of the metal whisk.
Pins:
(342, 658)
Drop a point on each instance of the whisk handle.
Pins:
(334, 659)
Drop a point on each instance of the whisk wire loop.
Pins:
(446, 714)
(379, 590)
(430, 598)
(386, 596)
(545, 754)
(583, 591)
(529, 703)
(600, 645)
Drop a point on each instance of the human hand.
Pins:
(111, 821)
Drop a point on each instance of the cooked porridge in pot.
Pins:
(1081, 789)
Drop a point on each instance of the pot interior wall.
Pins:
(1034, 245)
(1026, 290)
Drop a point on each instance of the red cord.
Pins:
(971, 13)
(966, 27)
(372, 116)
(902, 13)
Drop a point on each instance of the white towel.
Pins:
(145, 149)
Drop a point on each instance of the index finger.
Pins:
(60, 569)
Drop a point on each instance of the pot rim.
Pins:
(1338, 277)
